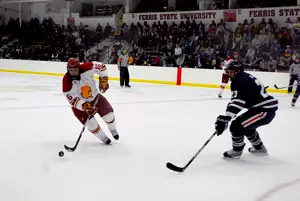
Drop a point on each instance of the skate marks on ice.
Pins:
(112, 102)
(269, 195)
(17, 83)
(121, 103)
(26, 88)
(215, 164)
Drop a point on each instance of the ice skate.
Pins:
(292, 104)
(106, 140)
(220, 95)
(261, 151)
(115, 134)
(102, 136)
(232, 154)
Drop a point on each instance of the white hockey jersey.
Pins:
(226, 62)
(85, 89)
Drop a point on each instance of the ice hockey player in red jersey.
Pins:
(82, 92)
(225, 76)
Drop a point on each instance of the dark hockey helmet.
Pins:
(236, 66)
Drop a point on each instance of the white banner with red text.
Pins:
(279, 15)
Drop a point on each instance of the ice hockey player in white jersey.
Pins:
(82, 92)
(225, 76)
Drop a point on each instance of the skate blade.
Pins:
(231, 158)
(259, 153)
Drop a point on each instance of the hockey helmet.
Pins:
(73, 66)
(73, 63)
(235, 66)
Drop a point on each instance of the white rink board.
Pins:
(196, 76)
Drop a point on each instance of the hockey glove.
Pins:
(88, 108)
(222, 124)
(103, 84)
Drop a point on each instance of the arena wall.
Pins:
(146, 74)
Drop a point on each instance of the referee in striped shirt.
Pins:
(123, 68)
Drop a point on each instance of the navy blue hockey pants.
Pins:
(246, 125)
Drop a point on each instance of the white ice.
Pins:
(157, 124)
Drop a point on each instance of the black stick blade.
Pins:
(69, 149)
(276, 86)
(174, 167)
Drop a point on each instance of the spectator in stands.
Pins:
(180, 60)
(272, 64)
(255, 41)
(256, 62)
(164, 59)
(285, 37)
(137, 59)
(263, 65)
(156, 61)
(171, 61)
(286, 58)
(189, 62)
(250, 54)
(178, 51)
(107, 30)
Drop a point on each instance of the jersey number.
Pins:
(263, 93)
(100, 67)
(69, 97)
(234, 94)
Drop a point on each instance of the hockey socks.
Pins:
(95, 129)
(111, 124)
(295, 98)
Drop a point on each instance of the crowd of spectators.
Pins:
(264, 45)
(46, 40)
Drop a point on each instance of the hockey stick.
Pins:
(72, 149)
(182, 169)
(285, 86)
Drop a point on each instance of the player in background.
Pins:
(225, 76)
(297, 93)
(81, 91)
(247, 93)
(294, 72)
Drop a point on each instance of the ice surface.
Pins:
(157, 124)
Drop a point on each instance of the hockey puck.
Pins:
(61, 154)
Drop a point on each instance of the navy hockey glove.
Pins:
(222, 124)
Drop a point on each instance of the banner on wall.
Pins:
(278, 14)
(270, 12)
(170, 17)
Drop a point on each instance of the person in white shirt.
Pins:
(178, 51)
